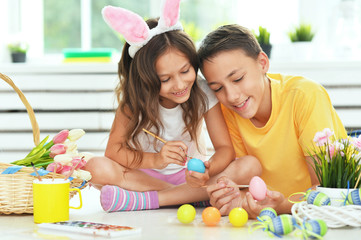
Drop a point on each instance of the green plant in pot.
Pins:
(336, 163)
(302, 33)
(263, 37)
(18, 51)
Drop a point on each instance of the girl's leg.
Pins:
(105, 171)
(240, 171)
(115, 199)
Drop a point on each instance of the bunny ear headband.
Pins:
(135, 30)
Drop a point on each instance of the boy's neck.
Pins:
(265, 109)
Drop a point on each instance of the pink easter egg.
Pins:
(258, 188)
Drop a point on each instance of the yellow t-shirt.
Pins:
(300, 108)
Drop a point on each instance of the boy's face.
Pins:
(239, 82)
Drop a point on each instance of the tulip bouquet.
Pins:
(60, 155)
(337, 161)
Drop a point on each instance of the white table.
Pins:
(155, 224)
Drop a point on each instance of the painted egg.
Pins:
(196, 165)
(318, 227)
(317, 198)
(282, 225)
(238, 217)
(258, 188)
(354, 197)
(186, 213)
(267, 214)
(211, 216)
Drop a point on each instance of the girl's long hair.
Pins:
(139, 86)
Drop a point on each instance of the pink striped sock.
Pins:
(114, 199)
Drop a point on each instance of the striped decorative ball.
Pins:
(318, 227)
(318, 198)
(267, 214)
(282, 225)
(354, 197)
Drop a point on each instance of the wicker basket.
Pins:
(16, 190)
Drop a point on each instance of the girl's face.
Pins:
(239, 82)
(177, 76)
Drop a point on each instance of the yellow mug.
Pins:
(51, 200)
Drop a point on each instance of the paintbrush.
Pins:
(36, 172)
(72, 170)
(54, 172)
(160, 139)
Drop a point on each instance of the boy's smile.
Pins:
(240, 84)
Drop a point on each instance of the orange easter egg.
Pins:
(211, 216)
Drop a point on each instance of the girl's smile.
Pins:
(181, 93)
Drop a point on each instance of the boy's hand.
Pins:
(224, 195)
(273, 199)
(171, 152)
(197, 179)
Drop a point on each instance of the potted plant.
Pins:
(18, 51)
(301, 37)
(263, 37)
(302, 33)
(336, 164)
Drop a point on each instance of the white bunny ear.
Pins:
(129, 24)
(170, 13)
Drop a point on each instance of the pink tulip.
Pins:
(78, 162)
(66, 170)
(321, 138)
(51, 167)
(61, 136)
(57, 149)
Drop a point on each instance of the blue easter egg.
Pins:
(318, 198)
(354, 197)
(282, 225)
(267, 214)
(196, 165)
(318, 227)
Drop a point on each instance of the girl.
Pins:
(159, 91)
(273, 117)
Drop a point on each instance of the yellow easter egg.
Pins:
(238, 217)
(186, 213)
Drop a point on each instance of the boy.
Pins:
(270, 116)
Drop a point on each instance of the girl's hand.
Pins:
(197, 179)
(224, 196)
(171, 152)
(273, 199)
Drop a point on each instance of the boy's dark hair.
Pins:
(226, 38)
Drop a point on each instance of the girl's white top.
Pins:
(173, 127)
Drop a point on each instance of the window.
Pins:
(52, 25)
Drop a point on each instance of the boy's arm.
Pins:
(218, 133)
